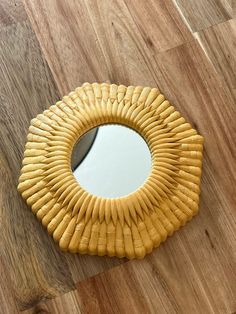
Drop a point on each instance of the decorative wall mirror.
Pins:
(99, 205)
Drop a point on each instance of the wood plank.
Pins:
(202, 14)
(125, 52)
(219, 45)
(139, 287)
(11, 12)
(195, 270)
(189, 80)
(67, 303)
(68, 41)
(153, 285)
(159, 23)
(33, 262)
(36, 268)
(7, 299)
(107, 42)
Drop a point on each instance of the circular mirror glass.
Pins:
(111, 161)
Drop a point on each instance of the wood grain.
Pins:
(21, 99)
(107, 42)
(202, 14)
(148, 286)
(219, 45)
(67, 303)
(166, 29)
(11, 12)
(7, 298)
(68, 41)
(210, 107)
(195, 270)
(36, 267)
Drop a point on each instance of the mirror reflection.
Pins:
(111, 161)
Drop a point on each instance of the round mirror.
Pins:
(116, 163)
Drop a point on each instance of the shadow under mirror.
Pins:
(116, 163)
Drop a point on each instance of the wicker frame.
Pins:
(129, 226)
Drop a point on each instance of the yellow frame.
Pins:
(129, 226)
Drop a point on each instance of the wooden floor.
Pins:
(186, 48)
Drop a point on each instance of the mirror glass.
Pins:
(111, 161)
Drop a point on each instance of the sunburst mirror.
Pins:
(112, 170)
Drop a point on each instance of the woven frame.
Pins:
(129, 226)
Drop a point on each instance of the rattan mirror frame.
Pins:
(129, 226)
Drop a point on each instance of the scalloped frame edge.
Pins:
(130, 226)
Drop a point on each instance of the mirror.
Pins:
(112, 161)
(82, 148)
